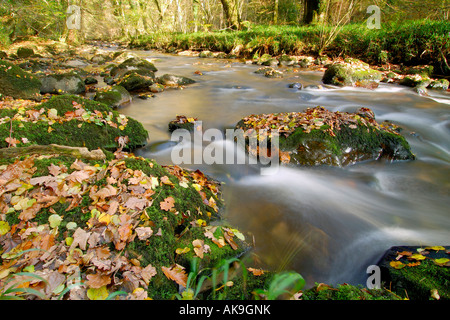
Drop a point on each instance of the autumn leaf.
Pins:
(176, 273)
(148, 273)
(436, 248)
(98, 294)
(144, 233)
(200, 248)
(417, 256)
(397, 264)
(256, 272)
(4, 228)
(182, 250)
(167, 204)
(98, 280)
(443, 262)
(12, 141)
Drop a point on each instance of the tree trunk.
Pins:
(314, 11)
(275, 13)
(230, 10)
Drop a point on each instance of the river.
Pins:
(329, 224)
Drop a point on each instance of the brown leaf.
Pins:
(148, 273)
(167, 204)
(256, 272)
(80, 238)
(98, 280)
(30, 212)
(176, 273)
(144, 233)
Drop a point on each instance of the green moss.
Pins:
(350, 75)
(347, 292)
(92, 135)
(17, 83)
(417, 282)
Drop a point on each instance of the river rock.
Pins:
(413, 272)
(17, 83)
(352, 72)
(441, 84)
(113, 97)
(174, 80)
(135, 82)
(320, 137)
(182, 122)
(205, 54)
(141, 66)
(415, 80)
(62, 83)
(296, 85)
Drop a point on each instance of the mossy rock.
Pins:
(414, 273)
(320, 137)
(17, 83)
(73, 121)
(133, 81)
(174, 80)
(353, 73)
(206, 54)
(182, 122)
(422, 70)
(64, 83)
(441, 84)
(114, 97)
(197, 203)
(322, 291)
(416, 81)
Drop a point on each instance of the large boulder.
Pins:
(142, 66)
(63, 83)
(320, 137)
(135, 81)
(353, 73)
(17, 83)
(72, 121)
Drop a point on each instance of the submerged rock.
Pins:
(318, 136)
(352, 72)
(17, 83)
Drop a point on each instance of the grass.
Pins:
(410, 42)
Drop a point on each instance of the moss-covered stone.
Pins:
(414, 272)
(24, 52)
(73, 121)
(174, 80)
(114, 97)
(320, 137)
(346, 292)
(17, 83)
(352, 73)
(441, 84)
(133, 81)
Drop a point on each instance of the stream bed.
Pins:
(327, 223)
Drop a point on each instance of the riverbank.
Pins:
(125, 230)
(407, 43)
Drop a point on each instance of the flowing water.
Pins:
(329, 224)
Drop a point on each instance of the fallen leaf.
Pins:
(144, 233)
(397, 264)
(167, 204)
(256, 272)
(98, 280)
(148, 273)
(176, 273)
(97, 294)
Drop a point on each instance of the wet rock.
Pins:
(267, 60)
(90, 80)
(138, 65)
(269, 72)
(62, 83)
(306, 62)
(415, 80)
(296, 85)
(134, 81)
(422, 70)
(353, 73)
(114, 97)
(174, 80)
(441, 84)
(17, 83)
(182, 122)
(156, 88)
(286, 60)
(320, 137)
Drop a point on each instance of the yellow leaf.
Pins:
(418, 256)
(397, 264)
(436, 248)
(181, 251)
(97, 294)
(4, 228)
